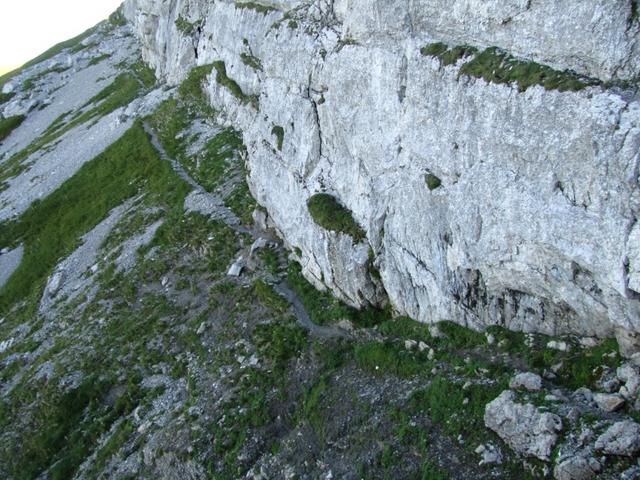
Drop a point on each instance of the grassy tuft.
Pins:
(251, 61)
(446, 55)
(278, 131)
(328, 213)
(96, 60)
(390, 358)
(8, 125)
(434, 49)
(117, 18)
(264, 9)
(267, 295)
(185, 26)
(5, 97)
(432, 181)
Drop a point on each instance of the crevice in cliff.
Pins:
(419, 263)
(402, 88)
(318, 124)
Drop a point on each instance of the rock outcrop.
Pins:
(532, 222)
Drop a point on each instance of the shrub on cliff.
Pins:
(327, 212)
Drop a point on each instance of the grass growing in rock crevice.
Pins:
(329, 214)
(251, 61)
(50, 228)
(446, 55)
(496, 66)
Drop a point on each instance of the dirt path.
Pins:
(225, 214)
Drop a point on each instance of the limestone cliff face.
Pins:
(535, 223)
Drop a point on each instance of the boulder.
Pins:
(20, 107)
(259, 244)
(522, 426)
(628, 342)
(410, 344)
(527, 380)
(576, 468)
(628, 374)
(54, 283)
(558, 345)
(608, 402)
(259, 218)
(490, 454)
(622, 438)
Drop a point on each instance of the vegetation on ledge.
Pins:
(264, 9)
(327, 212)
(497, 66)
(446, 55)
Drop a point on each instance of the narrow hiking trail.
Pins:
(226, 215)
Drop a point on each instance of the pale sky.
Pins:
(29, 27)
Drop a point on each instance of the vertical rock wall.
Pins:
(535, 223)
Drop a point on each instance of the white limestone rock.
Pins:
(608, 402)
(630, 376)
(490, 454)
(576, 468)
(527, 380)
(236, 268)
(622, 438)
(522, 426)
